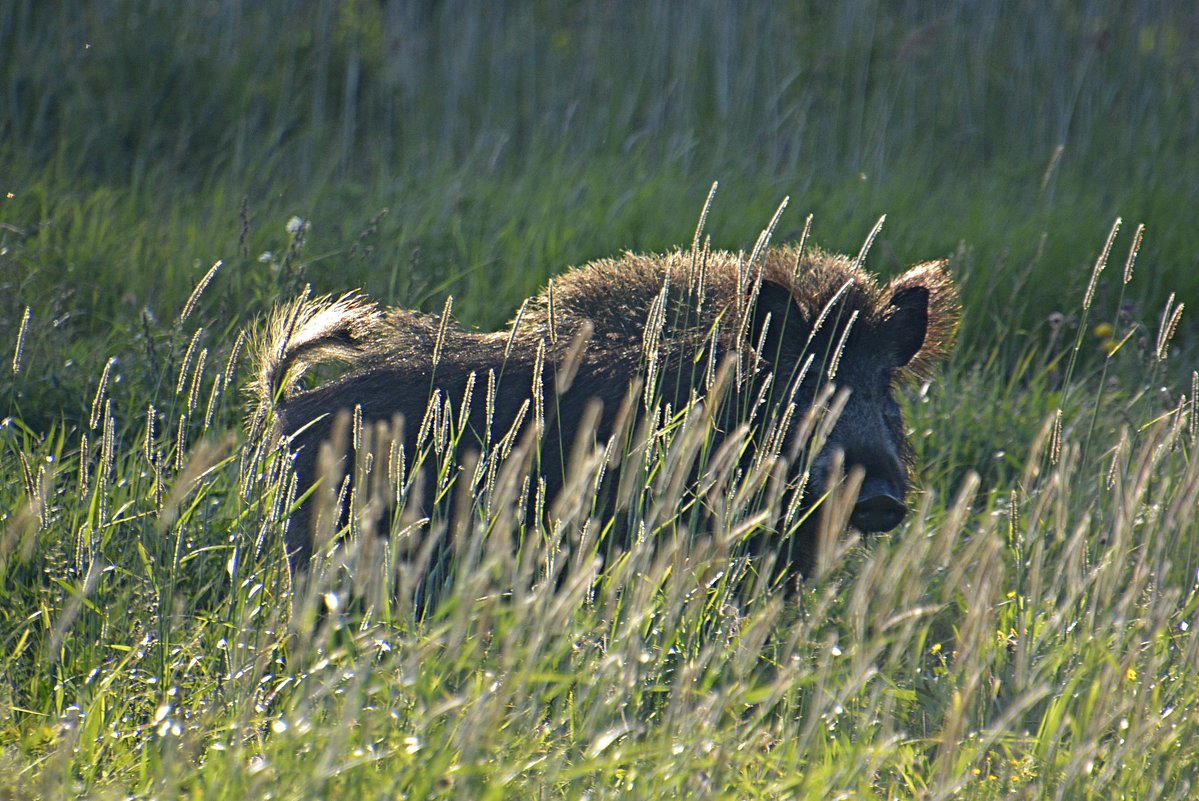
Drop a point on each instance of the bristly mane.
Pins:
(613, 295)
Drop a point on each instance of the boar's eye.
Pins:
(891, 411)
(908, 323)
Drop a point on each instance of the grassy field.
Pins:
(168, 173)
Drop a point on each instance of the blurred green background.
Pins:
(141, 141)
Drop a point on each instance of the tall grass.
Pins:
(1028, 632)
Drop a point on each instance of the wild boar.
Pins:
(792, 319)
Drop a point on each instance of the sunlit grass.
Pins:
(1027, 631)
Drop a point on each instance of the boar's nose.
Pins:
(879, 508)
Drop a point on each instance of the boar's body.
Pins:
(793, 319)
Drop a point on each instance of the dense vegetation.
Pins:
(1029, 632)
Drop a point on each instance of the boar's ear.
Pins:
(922, 318)
(774, 301)
(907, 323)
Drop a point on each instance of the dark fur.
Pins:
(901, 331)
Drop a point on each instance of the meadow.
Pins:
(169, 173)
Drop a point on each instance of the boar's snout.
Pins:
(880, 504)
(879, 508)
